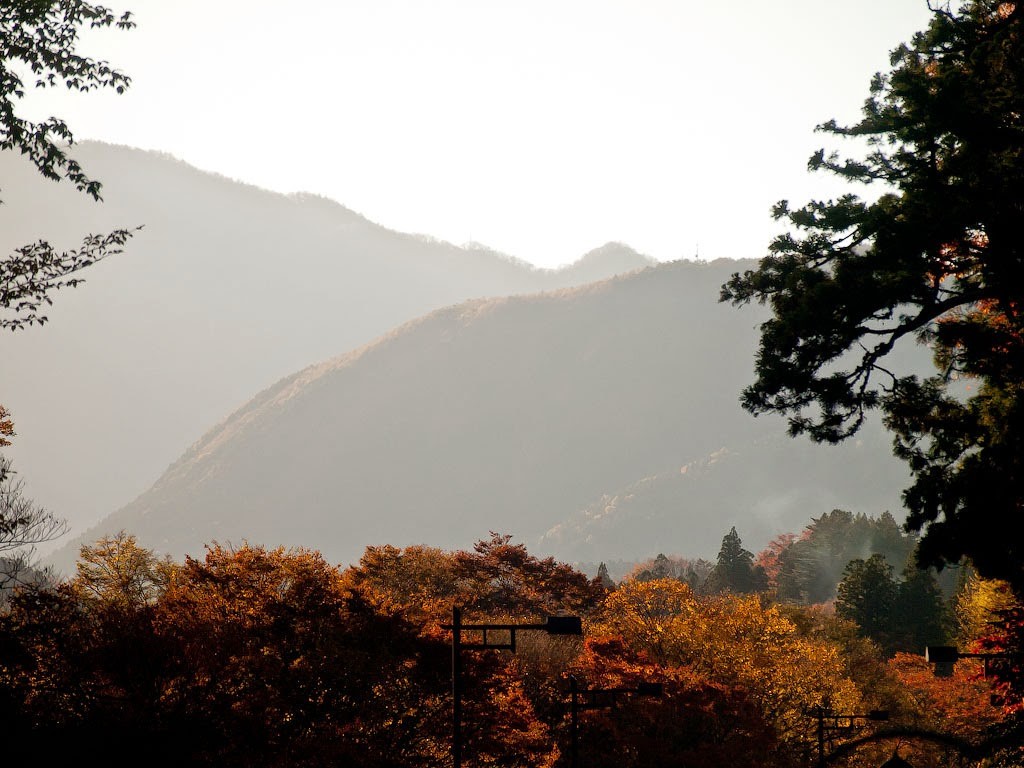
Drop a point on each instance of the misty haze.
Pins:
(413, 385)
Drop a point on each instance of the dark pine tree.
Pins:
(735, 571)
(867, 597)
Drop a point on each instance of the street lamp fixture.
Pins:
(552, 625)
(831, 722)
(943, 657)
(599, 698)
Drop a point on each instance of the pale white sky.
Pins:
(540, 128)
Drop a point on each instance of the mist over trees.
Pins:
(272, 655)
(597, 418)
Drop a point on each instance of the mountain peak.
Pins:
(612, 258)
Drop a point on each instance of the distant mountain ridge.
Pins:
(226, 289)
(593, 422)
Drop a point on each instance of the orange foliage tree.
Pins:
(959, 705)
(733, 641)
(287, 666)
(510, 702)
(497, 579)
(274, 657)
(247, 657)
(693, 723)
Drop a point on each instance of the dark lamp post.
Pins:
(553, 625)
(943, 657)
(829, 721)
(563, 625)
(941, 654)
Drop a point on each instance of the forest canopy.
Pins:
(275, 657)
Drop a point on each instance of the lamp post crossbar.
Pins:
(824, 714)
(487, 644)
(943, 657)
(592, 698)
(553, 625)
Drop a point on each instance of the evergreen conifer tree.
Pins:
(604, 578)
(735, 571)
(937, 256)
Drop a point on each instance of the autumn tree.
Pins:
(644, 612)
(503, 578)
(693, 722)
(46, 684)
(39, 40)
(734, 641)
(935, 256)
(497, 578)
(511, 702)
(77, 678)
(416, 581)
(244, 657)
(979, 605)
(959, 705)
(863, 661)
(990, 619)
(274, 656)
(115, 570)
(769, 559)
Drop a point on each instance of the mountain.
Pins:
(593, 422)
(225, 290)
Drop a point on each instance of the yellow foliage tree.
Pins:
(117, 571)
(736, 641)
(980, 603)
(418, 582)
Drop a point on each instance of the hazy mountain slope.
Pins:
(754, 484)
(226, 289)
(512, 415)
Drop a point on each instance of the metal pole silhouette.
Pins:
(823, 713)
(553, 625)
(574, 721)
(456, 688)
(943, 657)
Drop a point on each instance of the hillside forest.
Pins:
(255, 656)
(855, 641)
